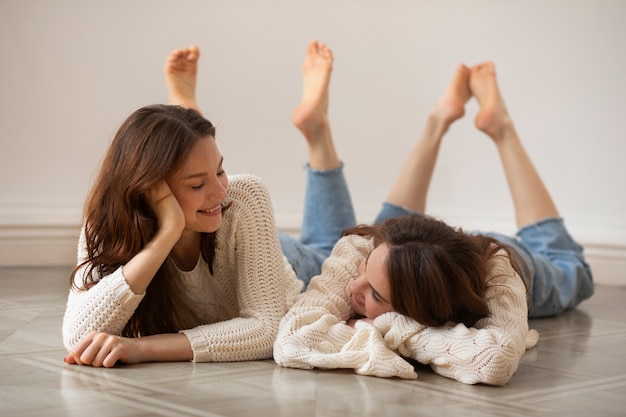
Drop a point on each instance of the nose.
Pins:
(216, 191)
(356, 286)
(351, 286)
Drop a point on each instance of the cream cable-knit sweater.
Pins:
(314, 332)
(238, 310)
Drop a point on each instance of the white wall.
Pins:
(73, 70)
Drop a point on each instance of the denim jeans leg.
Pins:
(558, 276)
(562, 277)
(391, 211)
(328, 211)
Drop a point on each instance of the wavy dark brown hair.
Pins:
(153, 142)
(437, 272)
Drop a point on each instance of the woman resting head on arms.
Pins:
(413, 287)
(418, 254)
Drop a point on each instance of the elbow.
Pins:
(500, 369)
(278, 352)
(495, 367)
(70, 338)
(288, 353)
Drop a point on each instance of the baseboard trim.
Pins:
(22, 246)
(38, 245)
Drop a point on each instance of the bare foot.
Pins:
(451, 105)
(180, 70)
(312, 112)
(493, 117)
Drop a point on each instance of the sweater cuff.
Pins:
(198, 345)
(396, 328)
(122, 291)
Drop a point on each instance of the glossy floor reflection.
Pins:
(577, 369)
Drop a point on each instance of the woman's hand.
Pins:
(140, 270)
(169, 213)
(100, 349)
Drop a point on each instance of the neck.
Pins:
(186, 251)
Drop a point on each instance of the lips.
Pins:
(213, 210)
(358, 300)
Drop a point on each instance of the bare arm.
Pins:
(140, 270)
(99, 349)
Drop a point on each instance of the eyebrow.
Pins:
(203, 174)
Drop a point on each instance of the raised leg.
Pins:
(531, 199)
(181, 68)
(411, 186)
(311, 115)
(328, 208)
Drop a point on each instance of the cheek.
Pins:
(189, 202)
(185, 201)
(375, 309)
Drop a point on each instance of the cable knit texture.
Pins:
(237, 310)
(314, 332)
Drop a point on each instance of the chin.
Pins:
(357, 310)
(213, 226)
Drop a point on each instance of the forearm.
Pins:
(140, 270)
(170, 347)
(99, 349)
(106, 307)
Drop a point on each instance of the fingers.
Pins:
(96, 349)
(69, 359)
(166, 207)
(159, 192)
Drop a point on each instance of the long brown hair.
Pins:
(151, 144)
(437, 272)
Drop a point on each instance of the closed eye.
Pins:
(375, 295)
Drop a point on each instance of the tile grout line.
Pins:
(90, 373)
(578, 387)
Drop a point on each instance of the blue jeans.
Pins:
(328, 211)
(558, 278)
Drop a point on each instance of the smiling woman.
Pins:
(154, 253)
(177, 261)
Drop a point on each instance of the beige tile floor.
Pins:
(577, 369)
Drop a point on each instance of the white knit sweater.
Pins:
(314, 332)
(237, 310)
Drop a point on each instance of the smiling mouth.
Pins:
(211, 210)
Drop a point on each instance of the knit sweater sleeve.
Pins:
(487, 353)
(249, 256)
(105, 307)
(314, 332)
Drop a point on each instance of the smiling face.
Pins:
(200, 187)
(370, 294)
